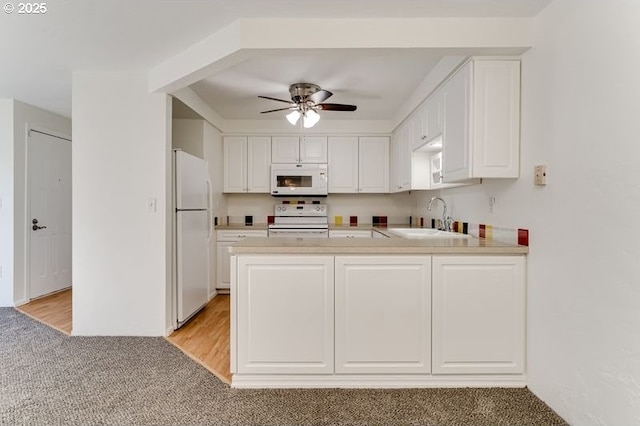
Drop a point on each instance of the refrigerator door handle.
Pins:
(209, 209)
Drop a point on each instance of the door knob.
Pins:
(35, 226)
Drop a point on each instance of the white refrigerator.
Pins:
(192, 233)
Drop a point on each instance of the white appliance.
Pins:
(300, 221)
(192, 232)
(298, 180)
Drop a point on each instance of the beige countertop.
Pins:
(394, 245)
(264, 227)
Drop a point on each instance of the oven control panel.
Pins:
(301, 210)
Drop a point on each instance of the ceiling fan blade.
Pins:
(337, 107)
(280, 109)
(276, 99)
(320, 96)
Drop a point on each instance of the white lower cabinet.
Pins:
(285, 314)
(479, 314)
(383, 314)
(378, 320)
(223, 240)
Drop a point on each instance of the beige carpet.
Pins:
(47, 378)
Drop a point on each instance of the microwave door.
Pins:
(294, 181)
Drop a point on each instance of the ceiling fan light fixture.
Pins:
(310, 119)
(293, 117)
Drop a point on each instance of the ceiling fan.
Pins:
(306, 100)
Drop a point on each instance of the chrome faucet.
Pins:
(446, 220)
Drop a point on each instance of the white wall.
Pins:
(580, 96)
(15, 118)
(6, 202)
(187, 135)
(121, 251)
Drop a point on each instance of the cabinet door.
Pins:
(400, 160)
(419, 123)
(313, 149)
(235, 164)
(456, 155)
(434, 116)
(285, 314)
(496, 119)
(373, 165)
(478, 314)
(285, 149)
(343, 164)
(259, 164)
(383, 314)
(222, 264)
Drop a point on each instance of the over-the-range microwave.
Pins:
(289, 180)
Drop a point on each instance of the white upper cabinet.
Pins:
(481, 136)
(235, 163)
(401, 158)
(373, 164)
(285, 149)
(303, 149)
(418, 121)
(358, 164)
(247, 164)
(434, 116)
(343, 164)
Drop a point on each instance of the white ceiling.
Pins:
(39, 53)
(377, 82)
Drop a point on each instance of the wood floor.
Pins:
(53, 310)
(205, 338)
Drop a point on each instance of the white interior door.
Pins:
(49, 217)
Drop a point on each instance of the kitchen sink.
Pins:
(425, 233)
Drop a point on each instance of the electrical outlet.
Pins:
(151, 205)
(540, 174)
(492, 204)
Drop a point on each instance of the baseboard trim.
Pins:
(20, 302)
(253, 381)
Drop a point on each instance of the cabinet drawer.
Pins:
(240, 234)
(349, 234)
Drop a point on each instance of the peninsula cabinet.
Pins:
(478, 314)
(358, 164)
(383, 314)
(481, 136)
(247, 164)
(376, 320)
(285, 314)
(299, 149)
